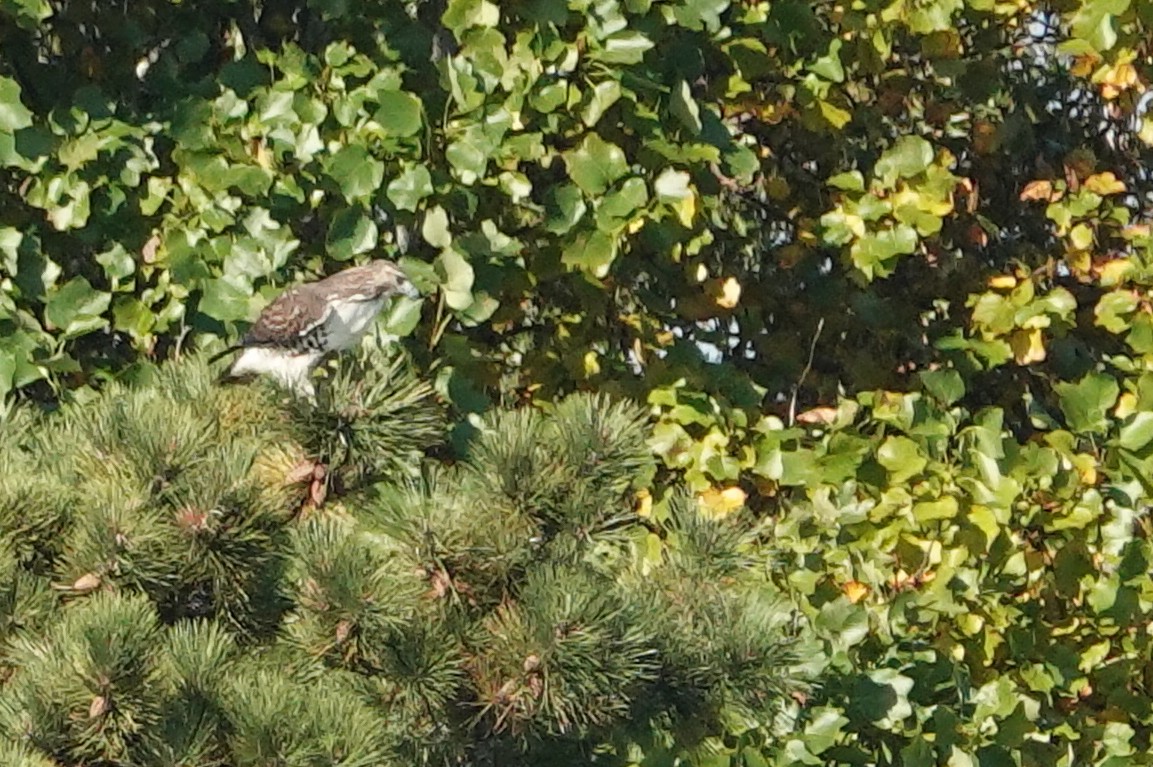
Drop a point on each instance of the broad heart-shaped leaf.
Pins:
(617, 206)
(13, 114)
(435, 228)
(1137, 433)
(356, 172)
(901, 457)
(1094, 20)
(874, 253)
(684, 107)
(1086, 403)
(410, 187)
(403, 316)
(946, 385)
(627, 47)
(456, 279)
(350, 232)
(76, 307)
(566, 207)
(399, 113)
(596, 164)
(592, 252)
(907, 157)
(224, 301)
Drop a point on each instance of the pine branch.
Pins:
(88, 691)
(352, 601)
(467, 547)
(375, 419)
(565, 659)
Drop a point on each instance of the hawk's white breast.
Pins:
(349, 321)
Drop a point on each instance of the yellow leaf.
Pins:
(730, 293)
(1081, 236)
(822, 415)
(835, 115)
(1126, 406)
(1039, 190)
(1114, 272)
(592, 366)
(1086, 466)
(1104, 183)
(686, 209)
(644, 503)
(719, 503)
(1028, 346)
(855, 591)
(1003, 282)
(1083, 65)
(1115, 79)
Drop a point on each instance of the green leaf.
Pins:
(464, 14)
(592, 252)
(1138, 433)
(403, 316)
(456, 279)
(907, 157)
(1093, 22)
(356, 172)
(399, 113)
(13, 114)
(469, 155)
(618, 206)
(883, 696)
(829, 65)
(902, 458)
(596, 164)
(1086, 403)
(850, 181)
(874, 253)
(947, 386)
(626, 47)
(684, 107)
(351, 231)
(7, 372)
(600, 98)
(435, 228)
(76, 308)
(566, 206)
(224, 301)
(412, 185)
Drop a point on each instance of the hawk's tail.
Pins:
(222, 354)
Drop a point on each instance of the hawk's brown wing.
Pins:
(298, 311)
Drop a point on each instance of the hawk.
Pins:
(304, 323)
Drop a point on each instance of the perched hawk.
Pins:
(304, 323)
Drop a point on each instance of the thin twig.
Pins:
(805, 372)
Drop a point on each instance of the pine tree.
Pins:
(206, 576)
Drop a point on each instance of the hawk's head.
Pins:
(387, 278)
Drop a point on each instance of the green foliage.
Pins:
(197, 610)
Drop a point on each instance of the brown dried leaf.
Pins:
(301, 472)
(1041, 189)
(98, 707)
(821, 415)
(148, 252)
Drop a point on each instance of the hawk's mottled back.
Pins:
(304, 323)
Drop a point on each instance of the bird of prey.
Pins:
(294, 332)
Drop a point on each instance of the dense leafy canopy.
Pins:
(880, 269)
